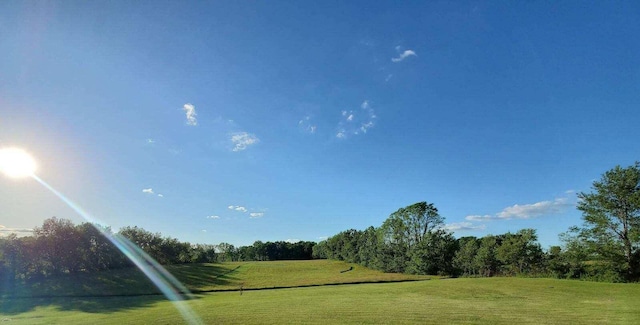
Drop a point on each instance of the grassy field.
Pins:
(472, 301)
(210, 277)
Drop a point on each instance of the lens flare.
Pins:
(161, 278)
(16, 163)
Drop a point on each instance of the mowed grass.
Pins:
(283, 274)
(209, 277)
(438, 301)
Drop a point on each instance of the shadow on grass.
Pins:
(105, 291)
(106, 304)
(198, 277)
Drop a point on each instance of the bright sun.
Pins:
(16, 163)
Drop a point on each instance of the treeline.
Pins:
(60, 246)
(413, 240)
(266, 251)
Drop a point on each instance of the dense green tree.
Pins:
(368, 245)
(203, 253)
(95, 249)
(409, 225)
(226, 252)
(165, 250)
(433, 254)
(465, 256)
(402, 232)
(486, 262)
(147, 241)
(611, 214)
(556, 264)
(58, 243)
(12, 255)
(320, 250)
(520, 252)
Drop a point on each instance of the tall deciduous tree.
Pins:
(58, 242)
(520, 252)
(611, 213)
(409, 225)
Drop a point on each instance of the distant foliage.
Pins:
(272, 251)
(60, 247)
(413, 240)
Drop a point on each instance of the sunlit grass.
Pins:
(207, 277)
(279, 274)
(471, 301)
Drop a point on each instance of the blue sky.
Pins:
(241, 121)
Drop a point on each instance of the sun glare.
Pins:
(16, 163)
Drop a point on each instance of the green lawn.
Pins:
(438, 301)
(209, 277)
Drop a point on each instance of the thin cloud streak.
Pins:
(526, 211)
(20, 232)
(237, 208)
(404, 55)
(463, 226)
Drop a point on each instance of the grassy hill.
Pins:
(209, 277)
(470, 301)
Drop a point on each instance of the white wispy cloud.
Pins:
(537, 209)
(306, 125)
(527, 211)
(20, 232)
(256, 214)
(292, 241)
(479, 217)
(364, 127)
(151, 141)
(354, 122)
(404, 55)
(322, 237)
(237, 208)
(242, 140)
(213, 217)
(160, 195)
(147, 190)
(463, 226)
(190, 111)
